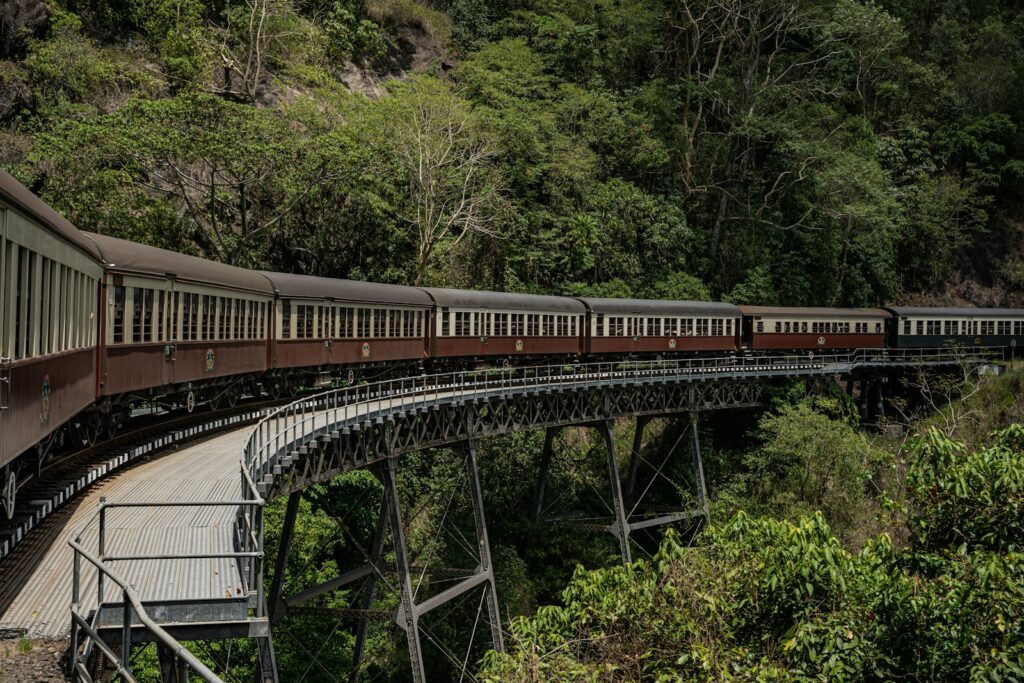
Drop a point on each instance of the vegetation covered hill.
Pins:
(761, 151)
(791, 151)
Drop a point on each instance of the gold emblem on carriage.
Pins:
(365, 348)
(211, 360)
(671, 343)
(519, 344)
(44, 402)
(821, 341)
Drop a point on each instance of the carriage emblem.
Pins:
(44, 403)
(366, 349)
(519, 344)
(821, 341)
(211, 360)
(671, 343)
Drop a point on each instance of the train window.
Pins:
(1004, 327)
(221, 318)
(193, 331)
(186, 317)
(347, 322)
(118, 314)
(680, 326)
(760, 325)
(919, 327)
(160, 296)
(286, 319)
(803, 327)
(788, 329)
(362, 322)
(461, 324)
(147, 315)
(547, 331)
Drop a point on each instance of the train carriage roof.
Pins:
(814, 312)
(510, 301)
(130, 258)
(906, 311)
(22, 199)
(311, 287)
(657, 307)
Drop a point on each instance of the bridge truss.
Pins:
(371, 426)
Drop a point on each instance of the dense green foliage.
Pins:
(767, 600)
(765, 151)
(849, 152)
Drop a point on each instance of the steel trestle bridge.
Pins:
(370, 426)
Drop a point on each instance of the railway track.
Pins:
(63, 479)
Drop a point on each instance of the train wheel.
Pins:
(215, 400)
(9, 492)
(231, 397)
(276, 389)
(190, 401)
(113, 425)
(89, 428)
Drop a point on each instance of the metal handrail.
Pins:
(251, 549)
(131, 604)
(288, 424)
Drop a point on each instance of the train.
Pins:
(93, 327)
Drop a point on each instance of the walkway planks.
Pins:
(35, 580)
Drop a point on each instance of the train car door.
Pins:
(481, 329)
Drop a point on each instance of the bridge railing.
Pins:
(86, 639)
(341, 407)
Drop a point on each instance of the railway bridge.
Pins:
(189, 562)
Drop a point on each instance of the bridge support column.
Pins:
(698, 466)
(542, 474)
(634, 459)
(619, 527)
(371, 582)
(410, 611)
(172, 669)
(408, 616)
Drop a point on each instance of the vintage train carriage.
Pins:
(178, 324)
(49, 297)
(322, 322)
(813, 329)
(912, 328)
(495, 325)
(650, 327)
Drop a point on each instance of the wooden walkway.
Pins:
(35, 580)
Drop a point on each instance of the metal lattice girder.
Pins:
(340, 450)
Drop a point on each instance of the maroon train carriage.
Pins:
(177, 328)
(49, 297)
(322, 323)
(813, 329)
(650, 327)
(501, 327)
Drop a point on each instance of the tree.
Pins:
(447, 159)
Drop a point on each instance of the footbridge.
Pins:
(115, 602)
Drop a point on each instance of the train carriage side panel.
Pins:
(49, 291)
(504, 326)
(917, 328)
(660, 328)
(174, 320)
(775, 328)
(325, 322)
